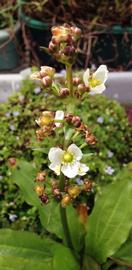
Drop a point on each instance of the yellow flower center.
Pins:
(93, 82)
(45, 120)
(68, 157)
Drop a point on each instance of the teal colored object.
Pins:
(32, 23)
(9, 57)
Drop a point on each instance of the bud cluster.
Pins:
(78, 124)
(40, 187)
(63, 45)
(70, 193)
(45, 75)
(46, 123)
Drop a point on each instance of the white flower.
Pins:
(110, 154)
(16, 113)
(47, 118)
(37, 90)
(96, 81)
(12, 217)
(100, 119)
(59, 115)
(67, 162)
(109, 170)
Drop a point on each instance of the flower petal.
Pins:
(55, 168)
(98, 89)
(75, 150)
(101, 74)
(83, 168)
(59, 115)
(86, 77)
(55, 155)
(70, 169)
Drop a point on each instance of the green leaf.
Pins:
(23, 175)
(27, 251)
(76, 228)
(111, 220)
(124, 254)
(90, 264)
(50, 218)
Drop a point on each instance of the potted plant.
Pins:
(106, 35)
(9, 29)
(84, 227)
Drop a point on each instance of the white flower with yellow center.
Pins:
(67, 162)
(96, 81)
(47, 118)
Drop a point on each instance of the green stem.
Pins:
(64, 219)
(69, 78)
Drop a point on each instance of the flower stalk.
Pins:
(69, 79)
(64, 217)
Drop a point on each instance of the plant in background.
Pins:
(8, 13)
(84, 227)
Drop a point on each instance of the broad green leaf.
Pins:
(64, 261)
(50, 218)
(23, 175)
(111, 220)
(27, 251)
(76, 228)
(124, 254)
(90, 264)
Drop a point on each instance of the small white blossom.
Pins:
(16, 113)
(12, 217)
(109, 170)
(1, 177)
(79, 181)
(110, 154)
(100, 119)
(37, 90)
(21, 98)
(8, 114)
(12, 127)
(59, 116)
(96, 81)
(67, 162)
(111, 119)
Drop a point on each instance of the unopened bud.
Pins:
(64, 92)
(47, 71)
(76, 80)
(68, 117)
(81, 87)
(12, 162)
(90, 138)
(40, 134)
(44, 198)
(39, 190)
(52, 47)
(87, 185)
(56, 192)
(76, 32)
(65, 200)
(68, 50)
(46, 81)
(74, 191)
(35, 76)
(76, 121)
(40, 177)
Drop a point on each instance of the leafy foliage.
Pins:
(24, 250)
(111, 219)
